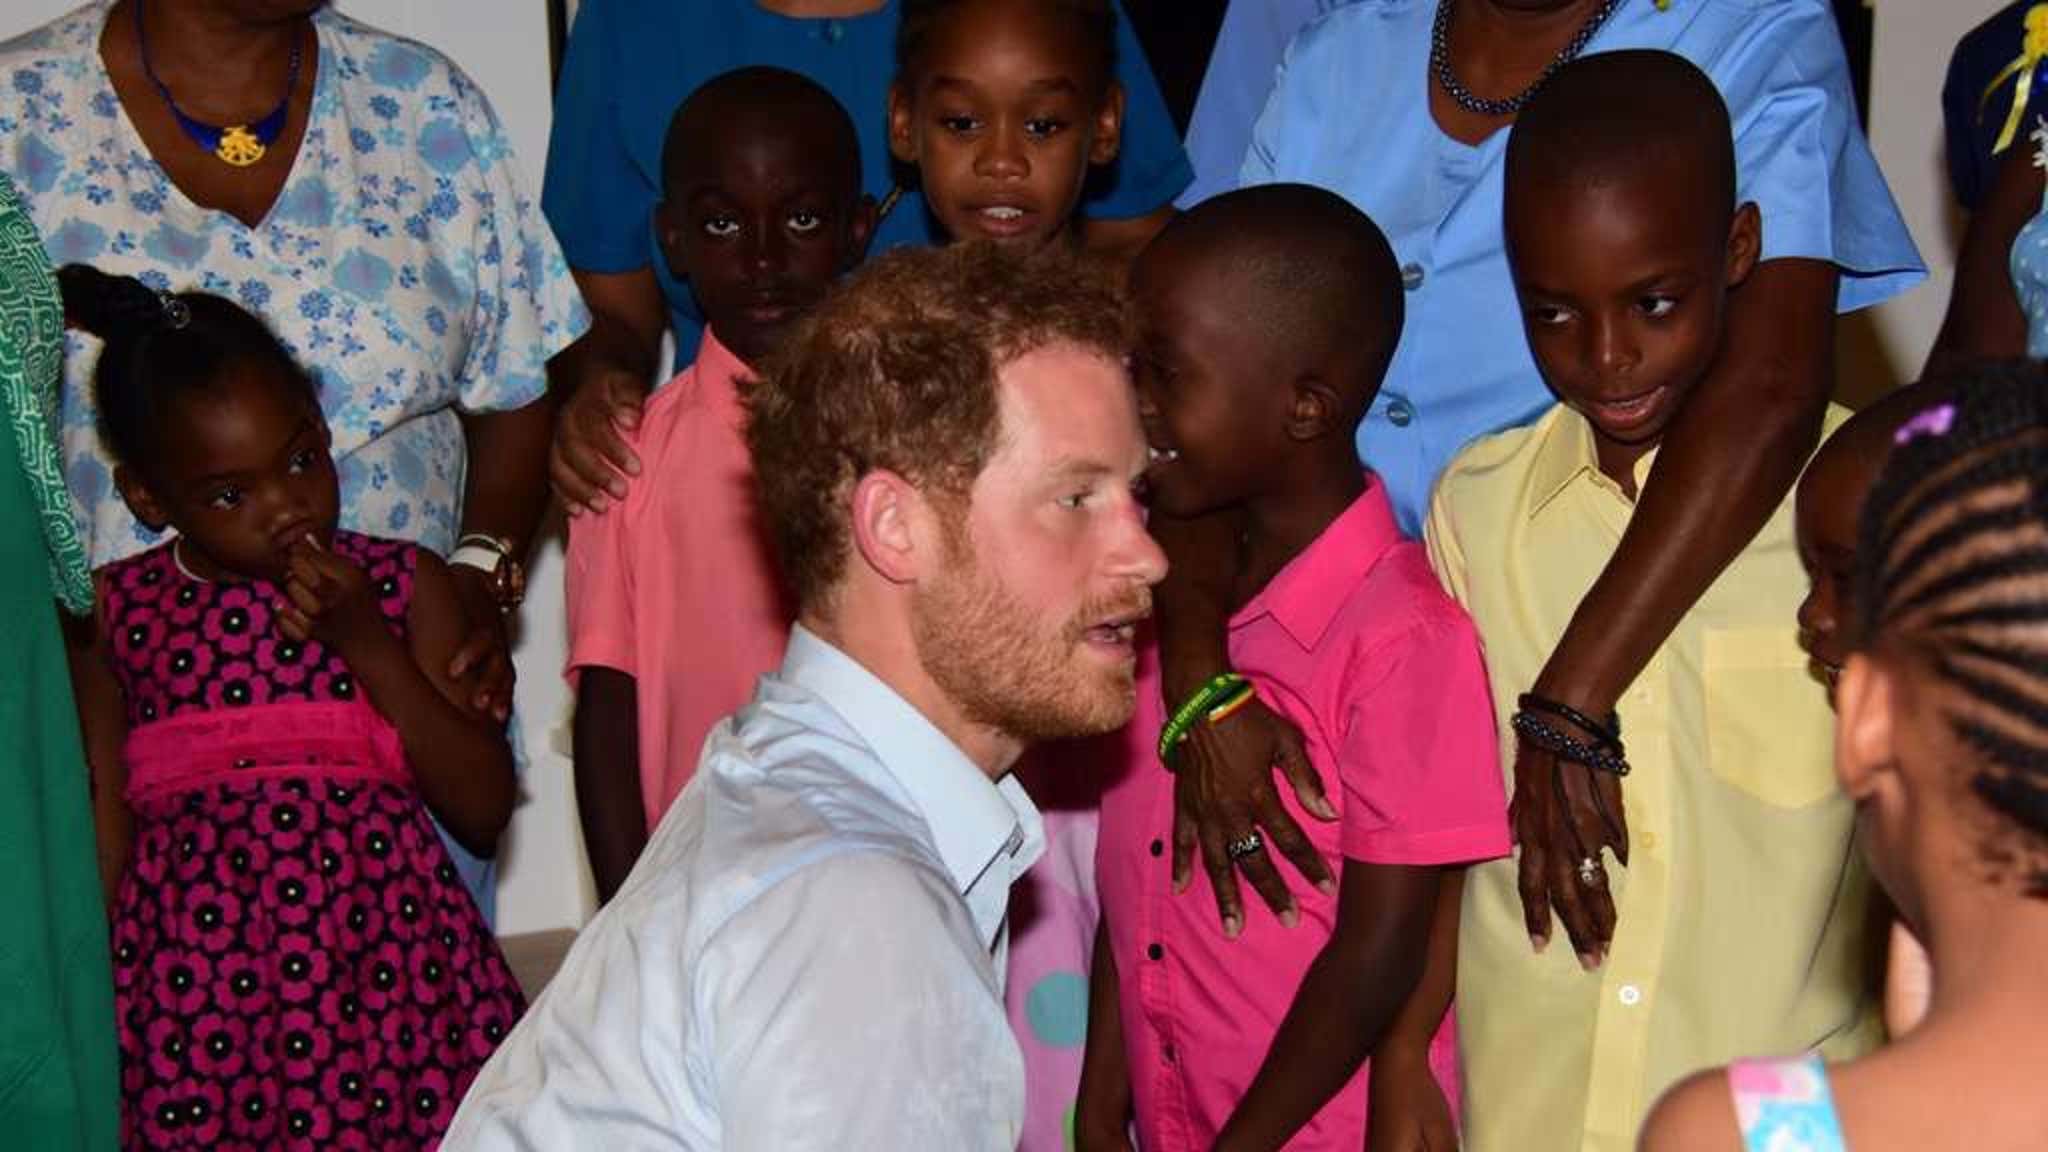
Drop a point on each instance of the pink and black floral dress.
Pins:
(296, 964)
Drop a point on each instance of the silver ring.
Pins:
(1589, 872)
(1249, 844)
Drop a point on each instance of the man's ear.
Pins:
(1109, 127)
(902, 124)
(140, 500)
(1745, 243)
(886, 509)
(668, 229)
(1866, 747)
(1313, 409)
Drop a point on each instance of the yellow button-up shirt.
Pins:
(1741, 916)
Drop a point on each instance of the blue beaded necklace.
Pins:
(237, 144)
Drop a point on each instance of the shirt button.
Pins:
(1411, 276)
(1158, 847)
(1400, 413)
(1155, 952)
(834, 31)
(1631, 995)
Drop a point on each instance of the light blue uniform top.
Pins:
(1249, 46)
(1350, 113)
(631, 62)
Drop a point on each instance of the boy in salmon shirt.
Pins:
(675, 605)
(1267, 317)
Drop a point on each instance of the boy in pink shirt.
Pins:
(1267, 318)
(675, 605)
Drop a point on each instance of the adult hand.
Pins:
(1223, 792)
(589, 461)
(1563, 814)
(482, 664)
(1407, 1111)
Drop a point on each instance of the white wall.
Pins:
(1909, 56)
(503, 45)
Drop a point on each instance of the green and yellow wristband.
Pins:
(1212, 703)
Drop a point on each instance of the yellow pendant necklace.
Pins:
(239, 145)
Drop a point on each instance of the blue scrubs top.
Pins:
(1350, 113)
(630, 63)
(1249, 46)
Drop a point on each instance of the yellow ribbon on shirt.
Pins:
(2033, 48)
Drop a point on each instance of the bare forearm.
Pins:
(1419, 1018)
(1352, 992)
(463, 767)
(1103, 1107)
(1984, 318)
(607, 751)
(103, 726)
(506, 488)
(627, 319)
(1194, 599)
(1723, 468)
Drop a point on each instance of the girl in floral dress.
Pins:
(296, 964)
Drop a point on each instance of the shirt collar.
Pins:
(716, 361)
(1565, 452)
(973, 822)
(1307, 594)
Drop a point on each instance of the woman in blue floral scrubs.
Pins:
(354, 189)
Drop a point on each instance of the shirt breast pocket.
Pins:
(1765, 735)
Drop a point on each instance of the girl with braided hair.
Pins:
(1942, 741)
(296, 964)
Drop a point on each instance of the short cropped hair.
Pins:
(897, 370)
(1615, 115)
(1095, 19)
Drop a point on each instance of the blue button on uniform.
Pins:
(834, 31)
(1400, 413)
(1411, 276)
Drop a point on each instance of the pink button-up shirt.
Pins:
(1355, 642)
(676, 585)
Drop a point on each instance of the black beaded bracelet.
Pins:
(1560, 744)
(1608, 733)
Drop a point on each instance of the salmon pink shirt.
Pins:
(1355, 642)
(676, 585)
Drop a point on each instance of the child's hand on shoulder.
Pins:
(328, 598)
(1407, 1110)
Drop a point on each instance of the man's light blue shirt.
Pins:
(1350, 112)
(809, 954)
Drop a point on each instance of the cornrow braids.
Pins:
(1952, 563)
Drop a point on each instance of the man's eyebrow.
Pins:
(1079, 468)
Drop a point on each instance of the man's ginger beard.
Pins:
(1006, 668)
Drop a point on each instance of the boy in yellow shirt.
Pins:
(1734, 901)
